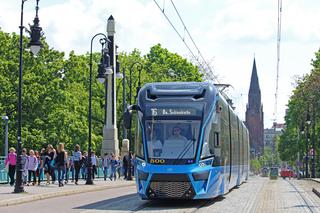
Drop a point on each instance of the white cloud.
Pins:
(229, 31)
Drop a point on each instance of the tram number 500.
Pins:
(157, 161)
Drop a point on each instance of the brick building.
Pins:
(254, 115)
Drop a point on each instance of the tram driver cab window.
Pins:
(154, 143)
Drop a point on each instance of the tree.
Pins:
(55, 91)
(304, 100)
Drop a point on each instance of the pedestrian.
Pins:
(31, 166)
(77, 159)
(40, 165)
(114, 165)
(119, 167)
(24, 158)
(105, 165)
(60, 162)
(94, 163)
(67, 166)
(84, 165)
(71, 168)
(51, 158)
(10, 163)
(46, 164)
(125, 164)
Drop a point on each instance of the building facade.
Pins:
(254, 115)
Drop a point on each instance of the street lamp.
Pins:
(35, 45)
(139, 68)
(6, 119)
(103, 70)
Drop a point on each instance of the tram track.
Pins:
(309, 204)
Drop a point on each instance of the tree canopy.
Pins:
(303, 105)
(55, 91)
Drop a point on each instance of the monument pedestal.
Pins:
(110, 143)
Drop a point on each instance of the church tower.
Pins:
(254, 115)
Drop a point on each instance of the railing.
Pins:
(3, 174)
(4, 178)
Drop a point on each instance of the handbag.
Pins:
(52, 163)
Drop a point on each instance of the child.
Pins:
(24, 159)
(31, 166)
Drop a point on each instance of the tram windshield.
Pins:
(172, 140)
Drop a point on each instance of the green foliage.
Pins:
(255, 166)
(55, 91)
(303, 102)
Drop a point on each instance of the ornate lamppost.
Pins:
(35, 45)
(103, 70)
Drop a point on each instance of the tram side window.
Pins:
(139, 144)
(215, 138)
(207, 150)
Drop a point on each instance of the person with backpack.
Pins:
(31, 166)
(11, 162)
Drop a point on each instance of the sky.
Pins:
(228, 33)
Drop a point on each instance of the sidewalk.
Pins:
(33, 193)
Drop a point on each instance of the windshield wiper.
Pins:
(185, 150)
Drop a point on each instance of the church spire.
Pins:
(254, 83)
(254, 95)
(254, 114)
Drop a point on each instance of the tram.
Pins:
(189, 142)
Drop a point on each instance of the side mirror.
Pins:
(127, 117)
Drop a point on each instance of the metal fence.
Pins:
(4, 178)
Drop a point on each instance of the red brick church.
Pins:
(254, 115)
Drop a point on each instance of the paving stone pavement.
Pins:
(7, 197)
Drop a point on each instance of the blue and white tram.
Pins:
(189, 142)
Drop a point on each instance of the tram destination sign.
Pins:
(172, 112)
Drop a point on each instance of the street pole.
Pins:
(307, 145)
(35, 45)
(124, 100)
(6, 119)
(313, 172)
(139, 67)
(298, 154)
(110, 133)
(104, 71)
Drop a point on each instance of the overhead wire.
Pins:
(186, 29)
(208, 75)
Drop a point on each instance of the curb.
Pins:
(315, 180)
(316, 192)
(20, 200)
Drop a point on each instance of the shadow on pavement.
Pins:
(132, 202)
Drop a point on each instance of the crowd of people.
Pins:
(59, 164)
